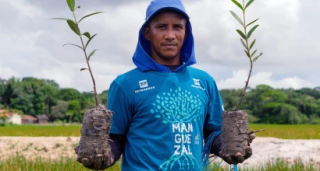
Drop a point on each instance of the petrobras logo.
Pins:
(144, 86)
(143, 83)
(197, 84)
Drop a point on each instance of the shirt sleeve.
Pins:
(119, 103)
(214, 109)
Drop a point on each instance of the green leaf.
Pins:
(252, 30)
(252, 22)
(89, 41)
(245, 46)
(248, 4)
(252, 44)
(256, 58)
(60, 19)
(89, 16)
(237, 17)
(87, 34)
(71, 4)
(247, 53)
(74, 27)
(91, 54)
(83, 69)
(73, 45)
(241, 34)
(238, 4)
(253, 53)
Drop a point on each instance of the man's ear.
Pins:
(187, 32)
(146, 33)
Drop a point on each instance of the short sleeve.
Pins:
(214, 108)
(119, 103)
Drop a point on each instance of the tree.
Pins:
(59, 111)
(73, 111)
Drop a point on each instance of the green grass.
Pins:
(287, 131)
(41, 130)
(278, 131)
(278, 165)
(20, 163)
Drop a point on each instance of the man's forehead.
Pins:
(164, 15)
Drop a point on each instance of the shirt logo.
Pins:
(196, 139)
(144, 86)
(143, 83)
(197, 84)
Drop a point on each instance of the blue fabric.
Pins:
(163, 116)
(141, 57)
(163, 113)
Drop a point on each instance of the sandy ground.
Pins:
(269, 149)
(46, 147)
(264, 149)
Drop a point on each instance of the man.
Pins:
(164, 108)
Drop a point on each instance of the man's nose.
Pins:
(170, 34)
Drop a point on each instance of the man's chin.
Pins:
(169, 57)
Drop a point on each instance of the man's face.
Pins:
(166, 33)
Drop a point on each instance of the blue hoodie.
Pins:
(163, 113)
(141, 57)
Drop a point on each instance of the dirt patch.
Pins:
(31, 147)
(271, 149)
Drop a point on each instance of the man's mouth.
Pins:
(169, 45)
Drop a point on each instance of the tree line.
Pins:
(263, 103)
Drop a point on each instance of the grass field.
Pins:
(288, 131)
(20, 163)
(278, 131)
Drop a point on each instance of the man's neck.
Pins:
(173, 67)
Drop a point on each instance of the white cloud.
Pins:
(7, 72)
(31, 44)
(240, 76)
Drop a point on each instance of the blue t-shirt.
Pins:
(163, 116)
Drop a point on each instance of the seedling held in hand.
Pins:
(94, 151)
(235, 136)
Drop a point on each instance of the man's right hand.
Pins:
(96, 164)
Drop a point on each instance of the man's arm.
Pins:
(117, 144)
(216, 144)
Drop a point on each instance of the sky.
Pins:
(288, 35)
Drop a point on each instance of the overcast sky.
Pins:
(288, 36)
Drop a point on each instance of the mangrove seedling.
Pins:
(93, 150)
(235, 135)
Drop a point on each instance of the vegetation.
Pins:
(35, 96)
(278, 165)
(245, 36)
(264, 104)
(68, 164)
(74, 26)
(39, 164)
(278, 131)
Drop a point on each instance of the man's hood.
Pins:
(141, 57)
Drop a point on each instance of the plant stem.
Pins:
(89, 68)
(251, 63)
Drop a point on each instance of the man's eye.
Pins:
(161, 27)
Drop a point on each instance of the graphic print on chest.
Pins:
(179, 110)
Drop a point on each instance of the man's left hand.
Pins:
(238, 157)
